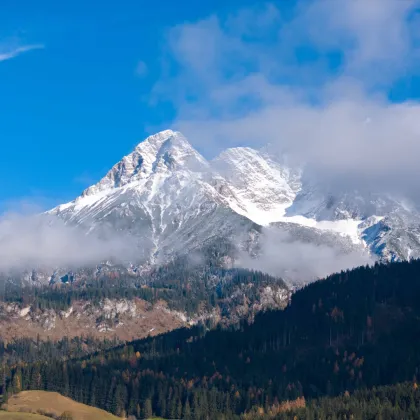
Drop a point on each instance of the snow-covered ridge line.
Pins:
(240, 158)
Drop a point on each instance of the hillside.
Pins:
(21, 416)
(337, 335)
(53, 404)
(128, 308)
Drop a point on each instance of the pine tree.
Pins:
(187, 410)
(178, 413)
(147, 409)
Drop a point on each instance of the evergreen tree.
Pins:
(147, 409)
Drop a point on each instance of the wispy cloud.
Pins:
(8, 53)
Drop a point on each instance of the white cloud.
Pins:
(244, 80)
(369, 33)
(334, 139)
(28, 242)
(299, 262)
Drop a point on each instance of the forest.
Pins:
(338, 340)
(182, 287)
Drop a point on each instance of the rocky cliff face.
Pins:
(125, 319)
(129, 319)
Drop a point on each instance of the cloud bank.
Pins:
(299, 262)
(41, 242)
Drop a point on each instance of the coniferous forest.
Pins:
(181, 286)
(346, 347)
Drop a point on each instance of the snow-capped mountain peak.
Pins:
(168, 148)
(167, 196)
(176, 152)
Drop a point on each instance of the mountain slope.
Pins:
(388, 226)
(165, 196)
(264, 187)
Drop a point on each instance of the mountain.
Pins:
(166, 196)
(170, 201)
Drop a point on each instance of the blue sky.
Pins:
(81, 83)
(70, 110)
